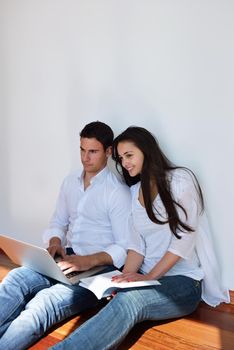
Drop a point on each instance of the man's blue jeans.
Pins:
(31, 303)
(176, 296)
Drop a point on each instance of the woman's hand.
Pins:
(131, 277)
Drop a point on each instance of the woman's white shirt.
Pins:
(154, 240)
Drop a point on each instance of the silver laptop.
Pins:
(39, 259)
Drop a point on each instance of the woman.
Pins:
(168, 241)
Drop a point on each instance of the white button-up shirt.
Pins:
(152, 240)
(92, 220)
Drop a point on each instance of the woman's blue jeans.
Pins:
(176, 296)
(31, 303)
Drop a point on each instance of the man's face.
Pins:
(93, 156)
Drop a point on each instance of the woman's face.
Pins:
(131, 157)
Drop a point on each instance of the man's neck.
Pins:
(88, 177)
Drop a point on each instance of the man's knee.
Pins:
(16, 275)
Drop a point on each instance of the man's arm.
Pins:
(82, 263)
(55, 235)
(119, 207)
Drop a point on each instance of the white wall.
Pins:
(163, 64)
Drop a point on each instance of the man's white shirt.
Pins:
(92, 220)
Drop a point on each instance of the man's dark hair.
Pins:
(100, 131)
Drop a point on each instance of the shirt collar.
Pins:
(99, 178)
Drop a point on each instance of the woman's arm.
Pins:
(133, 262)
(130, 273)
(164, 265)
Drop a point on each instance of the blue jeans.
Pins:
(176, 296)
(31, 303)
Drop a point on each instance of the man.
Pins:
(91, 220)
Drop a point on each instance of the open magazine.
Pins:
(102, 285)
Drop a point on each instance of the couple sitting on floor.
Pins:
(153, 226)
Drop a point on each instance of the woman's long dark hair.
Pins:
(155, 166)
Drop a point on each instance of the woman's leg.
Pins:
(176, 296)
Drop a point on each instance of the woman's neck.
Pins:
(153, 192)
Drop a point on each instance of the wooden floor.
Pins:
(207, 329)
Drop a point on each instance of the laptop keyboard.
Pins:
(73, 273)
(58, 258)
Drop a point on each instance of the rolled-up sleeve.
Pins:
(119, 204)
(135, 240)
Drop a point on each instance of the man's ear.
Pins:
(108, 151)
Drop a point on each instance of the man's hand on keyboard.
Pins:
(72, 263)
(55, 248)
